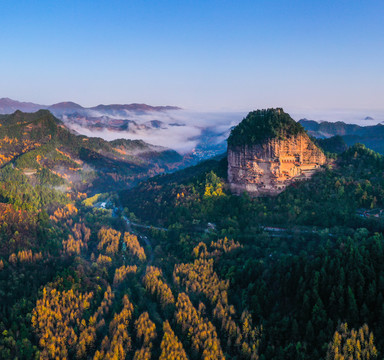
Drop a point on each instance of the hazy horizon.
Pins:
(348, 115)
(186, 138)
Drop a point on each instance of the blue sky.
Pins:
(200, 55)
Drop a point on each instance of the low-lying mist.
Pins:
(184, 131)
(180, 130)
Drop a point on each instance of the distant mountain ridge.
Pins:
(9, 106)
(371, 136)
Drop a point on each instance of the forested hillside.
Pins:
(45, 151)
(178, 267)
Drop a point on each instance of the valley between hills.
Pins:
(121, 249)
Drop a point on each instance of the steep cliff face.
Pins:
(267, 166)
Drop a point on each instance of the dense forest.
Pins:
(306, 265)
(264, 124)
(179, 268)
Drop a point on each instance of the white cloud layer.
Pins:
(183, 130)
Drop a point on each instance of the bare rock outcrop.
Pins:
(267, 165)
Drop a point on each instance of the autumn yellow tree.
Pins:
(352, 344)
(204, 340)
(96, 321)
(54, 319)
(146, 332)
(108, 240)
(200, 277)
(133, 246)
(156, 286)
(118, 344)
(122, 272)
(171, 347)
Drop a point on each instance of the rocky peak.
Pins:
(267, 151)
